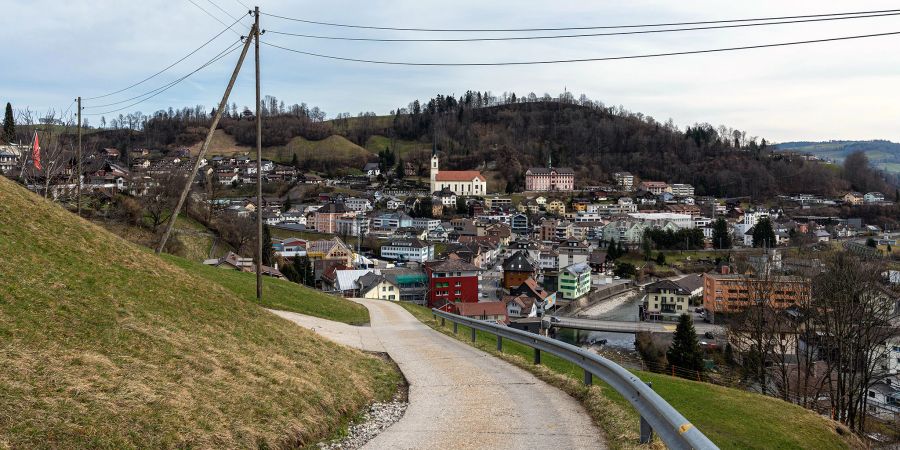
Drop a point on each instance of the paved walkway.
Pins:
(459, 396)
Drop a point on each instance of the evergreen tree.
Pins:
(9, 125)
(721, 237)
(612, 250)
(461, 207)
(621, 251)
(764, 234)
(660, 259)
(309, 276)
(871, 243)
(647, 246)
(294, 161)
(268, 253)
(400, 172)
(685, 351)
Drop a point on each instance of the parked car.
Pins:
(708, 335)
(698, 309)
(554, 319)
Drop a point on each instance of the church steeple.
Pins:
(549, 160)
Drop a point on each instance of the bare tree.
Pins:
(239, 232)
(855, 316)
(157, 194)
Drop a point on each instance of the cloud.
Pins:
(822, 91)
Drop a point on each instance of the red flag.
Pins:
(36, 152)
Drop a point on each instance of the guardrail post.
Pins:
(442, 322)
(455, 327)
(588, 378)
(537, 356)
(646, 429)
(499, 343)
(473, 335)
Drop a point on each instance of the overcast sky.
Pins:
(55, 50)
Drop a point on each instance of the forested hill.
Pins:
(883, 154)
(504, 136)
(596, 141)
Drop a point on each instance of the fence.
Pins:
(656, 414)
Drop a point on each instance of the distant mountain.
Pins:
(882, 154)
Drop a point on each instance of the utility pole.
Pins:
(78, 175)
(259, 204)
(205, 146)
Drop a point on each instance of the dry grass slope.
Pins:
(104, 345)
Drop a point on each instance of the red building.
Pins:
(451, 281)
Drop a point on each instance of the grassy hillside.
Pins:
(401, 147)
(279, 294)
(221, 144)
(733, 419)
(104, 345)
(882, 154)
(333, 147)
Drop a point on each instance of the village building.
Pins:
(549, 178)
(460, 182)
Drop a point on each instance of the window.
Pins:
(458, 292)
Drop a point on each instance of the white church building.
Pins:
(460, 182)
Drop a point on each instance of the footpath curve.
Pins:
(461, 397)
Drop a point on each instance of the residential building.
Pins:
(519, 306)
(352, 225)
(391, 221)
(452, 281)
(725, 293)
(357, 204)
(555, 207)
(290, 247)
(424, 223)
(325, 218)
(574, 281)
(853, 198)
(682, 190)
(519, 224)
(372, 169)
(666, 300)
(375, 286)
(624, 180)
(873, 197)
(654, 187)
(445, 197)
(494, 312)
(517, 268)
(408, 250)
(460, 182)
(550, 179)
(330, 249)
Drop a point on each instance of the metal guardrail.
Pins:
(657, 415)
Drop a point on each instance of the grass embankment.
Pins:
(733, 419)
(105, 345)
(401, 147)
(280, 294)
(334, 149)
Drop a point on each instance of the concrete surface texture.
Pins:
(461, 397)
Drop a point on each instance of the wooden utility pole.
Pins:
(205, 146)
(259, 203)
(78, 174)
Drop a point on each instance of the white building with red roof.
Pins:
(460, 182)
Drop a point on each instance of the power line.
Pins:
(563, 36)
(213, 16)
(231, 48)
(244, 5)
(220, 9)
(576, 60)
(145, 93)
(492, 30)
(165, 69)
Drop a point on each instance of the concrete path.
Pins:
(461, 397)
(362, 338)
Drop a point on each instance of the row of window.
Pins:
(440, 285)
(446, 293)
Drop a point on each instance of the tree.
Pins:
(764, 234)
(660, 259)
(400, 171)
(268, 253)
(871, 243)
(624, 270)
(685, 351)
(721, 237)
(612, 250)
(647, 246)
(461, 207)
(9, 125)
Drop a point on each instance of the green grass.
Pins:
(279, 294)
(731, 418)
(334, 148)
(401, 147)
(105, 345)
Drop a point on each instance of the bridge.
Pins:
(615, 326)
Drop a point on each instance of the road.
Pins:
(461, 397)
(630, 327)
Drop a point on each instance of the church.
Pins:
(461, 182)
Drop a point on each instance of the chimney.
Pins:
(725, 269)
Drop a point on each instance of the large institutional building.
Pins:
(460, 182)
(550, 179)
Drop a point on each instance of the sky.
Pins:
(55, 51)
